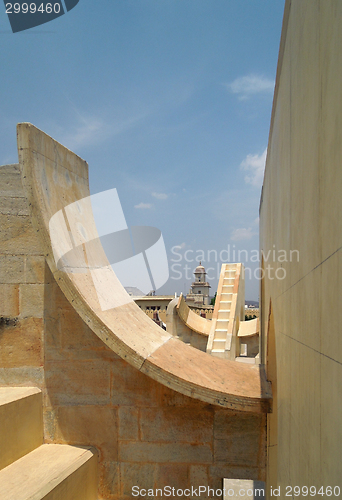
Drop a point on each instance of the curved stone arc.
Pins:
(191, 319)
(249, 328)
(53, 178)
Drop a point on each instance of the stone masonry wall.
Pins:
(146, 434)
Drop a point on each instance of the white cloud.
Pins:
(143, 206)
(255, 166)
(160, 196)
(242, 234)
(182, 245)
(85, 133)
(83, 130)
(249, 85)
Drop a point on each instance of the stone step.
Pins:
(21, 422)
(220, 334)
(223, 314)
(219, 353)
(51, 472)
(219, 343)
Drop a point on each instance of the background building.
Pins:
(199, 292)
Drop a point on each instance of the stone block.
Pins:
(10, 181)
(169, 397)
(176, 424)
(238, 450)
(9, 300)
(128, 423)
(35, 269)
(228, 423)
(23, 376)
(31, 300)
(141, 475)
(218, 471)
(129, 387)
(199, 476)
(76, 335)
(12, 269)
(109, 480)
(94, 425)
(78, 382)
(164, 452)
(22, 269)
(173, 475)
(21, 343)
(13, 206)
(18, 235)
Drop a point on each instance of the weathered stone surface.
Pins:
(227, 424)
(22, 269)
(130, 387)
(31, 300)
(35, 269)
(238, 450)
(12, 269)
(168, 397)
(109, 480)
(78, 382)
(141, 475)
(176, 424)
(95, 425)
(13, 206)
(219, 471)
(128, 423)
(23, 376)
(9, 300)
(18, 235)
(164, 452)
(173, 475)
(10, 181)
(21, 343)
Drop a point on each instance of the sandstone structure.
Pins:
(95, 401)
(300, 210)
(151, 410)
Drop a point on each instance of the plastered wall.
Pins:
(301, 210)
(147, 435)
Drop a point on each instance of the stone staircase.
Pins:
(227, 311)
(32, 470)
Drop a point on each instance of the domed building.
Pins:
(199, 292)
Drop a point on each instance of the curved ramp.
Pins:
(191, 319)
(55, 179)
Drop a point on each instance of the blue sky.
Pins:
(169, 101)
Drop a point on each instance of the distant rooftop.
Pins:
(133, 291)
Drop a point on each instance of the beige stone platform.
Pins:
(54, 178)
(51, 472)
(31, 470)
